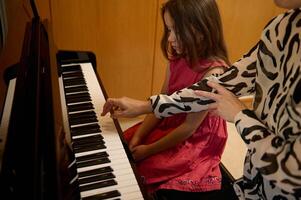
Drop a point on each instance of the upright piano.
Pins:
(53, 142)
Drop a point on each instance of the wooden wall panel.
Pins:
(160, 62)
(243, 22)
(120, 33)
(125, 36)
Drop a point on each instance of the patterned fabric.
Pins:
(192, 165)
(272, 131)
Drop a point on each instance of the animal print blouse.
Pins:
(272, 131)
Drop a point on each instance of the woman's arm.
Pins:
(277, 159)
(178, 135)
(239, 79)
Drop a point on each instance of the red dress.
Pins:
(192, 165)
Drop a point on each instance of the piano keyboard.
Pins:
(103, 168)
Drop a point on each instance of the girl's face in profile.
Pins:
(172, 37)
(289, 4)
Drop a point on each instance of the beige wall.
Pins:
(243, 22)
(121, 34)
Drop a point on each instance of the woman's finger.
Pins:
(212, 106)
(209, 95)
(219, 88)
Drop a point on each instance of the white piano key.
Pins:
(127, 184)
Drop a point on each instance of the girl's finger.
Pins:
(106, 109)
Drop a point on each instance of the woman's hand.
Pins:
(226, 104)
(126, 107)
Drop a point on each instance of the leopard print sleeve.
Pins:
(239, 79)
(275, 156)
(272, 131)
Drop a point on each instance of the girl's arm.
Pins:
(178, 135)
(239, 79)
(150, 121)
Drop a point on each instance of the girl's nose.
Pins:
(171, 37)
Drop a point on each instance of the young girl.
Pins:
(183, 152)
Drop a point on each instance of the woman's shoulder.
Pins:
(281, 27)
(284, 19)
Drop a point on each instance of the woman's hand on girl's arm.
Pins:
(226, 104)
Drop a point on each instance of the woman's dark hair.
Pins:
(198, 28)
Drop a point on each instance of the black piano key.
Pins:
(86, 129)
(97, 178)
(77, 95)
(74, 78)
(82, 114)
(73, 74)
(97, 139)
(92, 156)
(80, 107)
(95, 171)
(87, 144)
(93, 162)
(70, 68)
(97, 185)
(81, 148)
(84, 140)
(105, 195)
(78, 100)
(72, 82)
(89, 148)
(83, 120)
(81, 88)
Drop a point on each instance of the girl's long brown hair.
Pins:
(198, 28)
